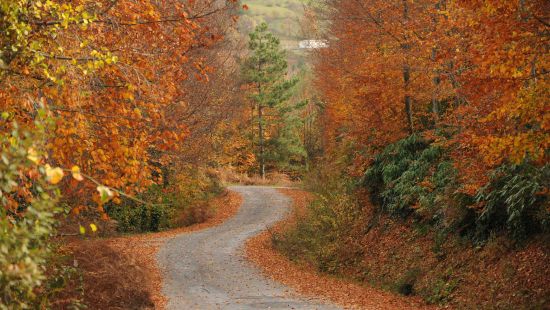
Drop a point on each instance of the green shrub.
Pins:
(142, 218)
(24, 251)
(442, 290)
(181, 203)
(133, 216)
(412, 176)
(25, 232)
(397, 176)
(515, 200)
(323, 236)
(415, 177)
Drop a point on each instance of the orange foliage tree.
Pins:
(113, 74)
(500, 54)
(475, 69)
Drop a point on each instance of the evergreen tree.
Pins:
(266, 71)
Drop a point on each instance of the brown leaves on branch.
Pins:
(477, 70)
(114, 76)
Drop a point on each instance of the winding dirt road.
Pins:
(207, 269)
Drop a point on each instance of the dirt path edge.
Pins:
(307, 281)
(143, 249)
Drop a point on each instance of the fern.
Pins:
(396, 175)
(514, 200)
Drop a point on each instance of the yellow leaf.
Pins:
(104, 193)
(128, 95)
(93, 227)
(75, 170)
(33, 156)
(82, 230)
(54, 175)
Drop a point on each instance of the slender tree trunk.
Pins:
(436, 81)
(261, 135)
(440, 5)
(261, 123)
(435, 102)
(534, 69)
(455, 85)
(407, 73)
(408, 107)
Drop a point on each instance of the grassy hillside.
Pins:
(282, 16)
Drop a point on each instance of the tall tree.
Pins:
(265, 71)
(109, 69)
(486, 92)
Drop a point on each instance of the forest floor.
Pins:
(307, 281)
(496, 276)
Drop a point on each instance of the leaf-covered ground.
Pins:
(305, 280)
(499, 275)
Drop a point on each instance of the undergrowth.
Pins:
(414, 183)
(415, 177)
(183, 202)
(323, 236)
(515, 201)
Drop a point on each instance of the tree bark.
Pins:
(260, 123)
(407, 73)
(261, 137)
(408, 108)
(437, 75)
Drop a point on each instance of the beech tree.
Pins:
(108, 69)
(96, 89)
(487, 91)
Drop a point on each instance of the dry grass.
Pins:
(230, 176)
(112, 278)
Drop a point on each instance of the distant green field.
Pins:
(282, 16)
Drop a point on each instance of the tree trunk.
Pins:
(408, 108)
(440, 5)
(261, 136)
(436, 81)
(261, 124)
(407, 73)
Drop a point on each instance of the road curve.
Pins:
(207, 269)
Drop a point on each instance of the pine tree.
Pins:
(266, 71)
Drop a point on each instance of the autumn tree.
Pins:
(109, 78)
(64, 56)
(502, 83)
(465, 80)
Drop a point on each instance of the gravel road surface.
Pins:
(207, 269)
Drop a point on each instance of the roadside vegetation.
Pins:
(422, 129)
(109, 126)
(433, 177)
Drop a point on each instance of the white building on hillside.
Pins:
(313, 44)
